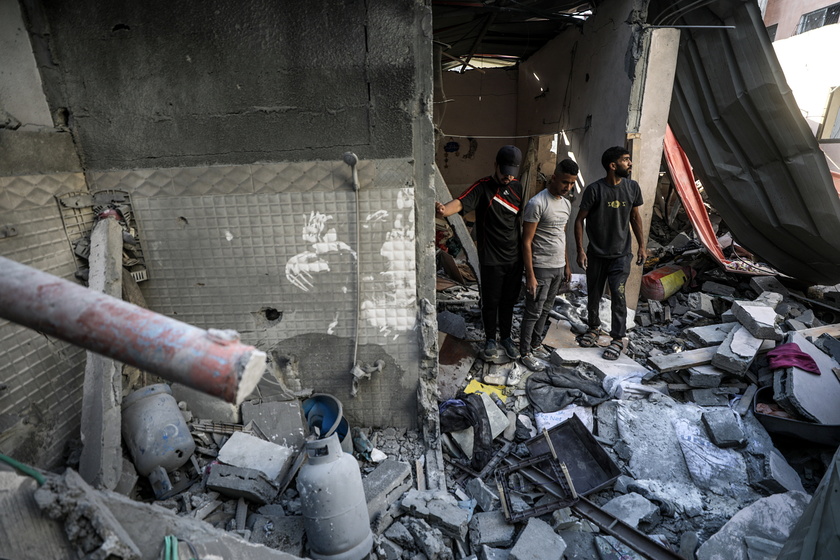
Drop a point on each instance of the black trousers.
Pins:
(613, 272)
(500, 285)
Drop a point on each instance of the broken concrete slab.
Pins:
(770, 473)
(711, 468)
(704, 377)
(759, 319)
(709, 397)
(440, 509)
(761, 284)
(490, 553)
(723, 428)
(710, 335)
(486, 498)
(702, 304)
(770, 518)
(28, 533)
(491, 529)
(385, 485)
(428, 539)
(717, 289)
(281, 422)
(236, 482)
(814, 396)
(246, 451)
(204, 406)
(623, 367)
(633, 509)
(682, 360)
(538, 541)
(737, 351)
(452, 323)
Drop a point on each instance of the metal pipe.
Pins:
(211, 361)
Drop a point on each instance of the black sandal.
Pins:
(588, 339)
(613, 351)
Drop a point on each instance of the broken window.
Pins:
(818, 18)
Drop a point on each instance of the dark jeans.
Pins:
(612, 272)
(500, 285)
(536, 308)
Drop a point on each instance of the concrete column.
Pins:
(101, 460)
(645, 141)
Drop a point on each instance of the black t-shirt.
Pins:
(498, 211)
(608, 221)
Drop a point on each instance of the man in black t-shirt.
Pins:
(497, 201)
(610, 208)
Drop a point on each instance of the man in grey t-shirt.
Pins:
(545, 257)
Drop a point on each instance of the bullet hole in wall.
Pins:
(120, 27)
(272, 314)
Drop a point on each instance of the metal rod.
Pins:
(211, 361)
(689, 26)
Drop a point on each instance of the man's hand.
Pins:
(439, 209)
(642, 256)
(531, 285)
(567, 273)
(581, 259)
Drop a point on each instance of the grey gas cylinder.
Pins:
(155, 430)
(335, 515)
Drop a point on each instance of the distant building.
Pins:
(785, 18)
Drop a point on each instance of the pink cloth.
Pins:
(790, 355)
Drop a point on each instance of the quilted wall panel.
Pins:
(42, 377)
(271, 251)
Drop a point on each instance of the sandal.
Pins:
(589, 339)
(613, 351)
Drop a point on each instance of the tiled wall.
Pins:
(41, 377)
(223, 244)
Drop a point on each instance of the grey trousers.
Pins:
(536, 308)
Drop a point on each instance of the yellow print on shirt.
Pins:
(616, 203)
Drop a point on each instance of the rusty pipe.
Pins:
(211, 361)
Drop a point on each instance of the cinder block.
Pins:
(238, 482)
(385, 485)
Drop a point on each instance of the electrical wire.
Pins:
(25, 469)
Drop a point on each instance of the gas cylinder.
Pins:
(155, 430)
(335, 515)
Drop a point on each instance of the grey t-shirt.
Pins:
(551, 216)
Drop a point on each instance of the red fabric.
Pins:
(790, 355)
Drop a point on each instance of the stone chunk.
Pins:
(280, 421)
(491, 529)
(490, 553)
(204, 406)
(709, 335)
(243, 450)
(723, 428)
(486, 498)
(538, 541)
(400, 534)
(384, 486)
(761, 284)
(439, 508)
(771, 474)
(760, 320)
(634, 509)
(717, 289)
(428, 539)
(238, 482)
(702, 304)
(709, 397)
(281, 532)
(737, 351)
(704, 377)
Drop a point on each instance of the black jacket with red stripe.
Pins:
(498, 213)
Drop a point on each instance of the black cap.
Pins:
(509, 158)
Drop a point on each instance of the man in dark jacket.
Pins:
(497, 201)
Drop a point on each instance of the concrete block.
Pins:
(795, 325)
(708, 397)
(490, 553)
(771, 474)
(128, 478)
(688, 545)
(400, 534)
(814, 396)
(762, 549)
(704, 377)
(622, 367)
(807, 318)
(723, 428)
(440, 509)
(761, 284)
(710, 287)
(728, 317)
(771, 299)
(390, 549)
(429, 540)
(829, 345)
(538, 541)
(607, 421)
(385, 485)
(486, 497)
(491, 529)
(243, 450)
(737, 351)
(702, 304)
(204, 406)
(281, 532)
(563, 519)
(238, 482)
(760, 320)
(710, 335)
(634, 509)
(281, 421)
